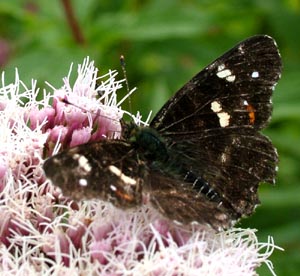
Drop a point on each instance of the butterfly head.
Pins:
(128, 129)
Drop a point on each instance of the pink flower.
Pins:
(43, 232)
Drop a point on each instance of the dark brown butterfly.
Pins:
(202, 157)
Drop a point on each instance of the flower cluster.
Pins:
(44, 233)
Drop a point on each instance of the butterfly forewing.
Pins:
(108, 170)
(234, 90)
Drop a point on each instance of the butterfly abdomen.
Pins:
(201, 186)
(190, 179)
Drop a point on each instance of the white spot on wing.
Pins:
(224, 117)
(113, 188)
(225, 73)
(83, 182)
(126, 179)
(221, 67)
(76, 156)
(83, 162)
(255, 75)
(215, 106)
(241, 50)
(223, 157)
(231, 78)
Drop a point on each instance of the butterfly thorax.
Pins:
(149, 144)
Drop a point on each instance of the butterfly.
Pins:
(202, 157)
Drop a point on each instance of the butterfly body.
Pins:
(154, 151)
(202, 157)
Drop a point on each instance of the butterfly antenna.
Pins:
(123, 66)
(66, 101)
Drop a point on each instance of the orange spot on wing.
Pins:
(124, 196)
(251, 113)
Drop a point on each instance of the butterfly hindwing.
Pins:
(233, 164)
(178, 202)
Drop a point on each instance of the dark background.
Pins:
(165, 43)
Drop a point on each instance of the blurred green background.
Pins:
(165, 43)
